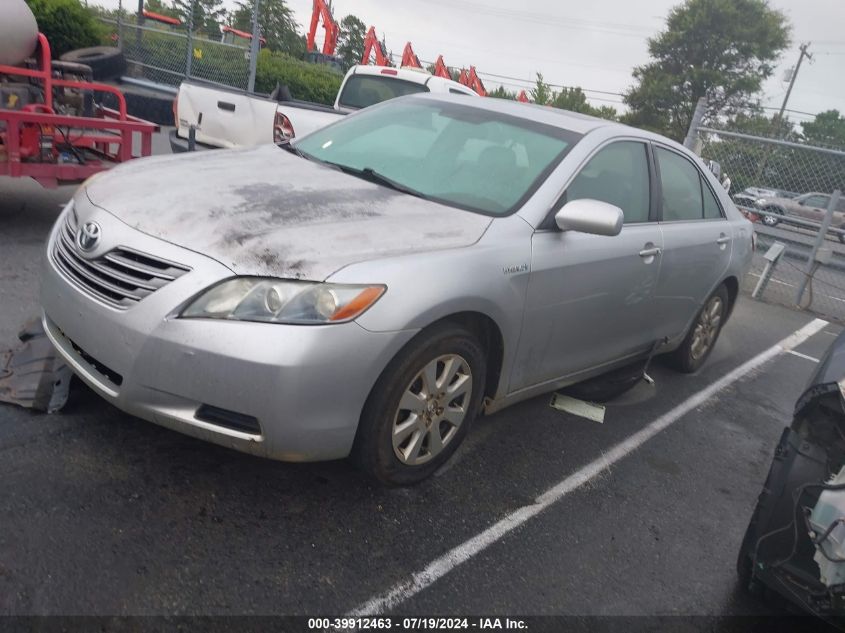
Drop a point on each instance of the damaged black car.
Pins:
(795, 542)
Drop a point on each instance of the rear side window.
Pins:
(362, 91)
(618, 175)
(681, 187)
(712, 210)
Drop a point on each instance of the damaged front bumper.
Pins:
(795, 542)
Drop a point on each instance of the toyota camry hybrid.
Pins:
(371, 288)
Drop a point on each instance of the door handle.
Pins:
(650, 252)
(723, 240)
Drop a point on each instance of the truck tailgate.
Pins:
(225, 118)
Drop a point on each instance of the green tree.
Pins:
(277, 22)
(722, 50)
(207, 15)
(542, 93)
(575, 100)
(350, 41)
(66, 23)
(827, 129)
(502, 93)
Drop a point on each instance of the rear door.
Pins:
(697, 240)
(590, 297)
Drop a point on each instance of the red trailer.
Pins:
(52, 131)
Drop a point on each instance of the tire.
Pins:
(694, 350)
(768, 220)
(106, 62)
(394, 444)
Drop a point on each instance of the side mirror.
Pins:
(590, 216)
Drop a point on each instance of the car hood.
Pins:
(264, 211)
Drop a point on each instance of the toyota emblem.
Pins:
(88, 236)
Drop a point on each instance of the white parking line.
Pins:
(800, 355)
(441, 566)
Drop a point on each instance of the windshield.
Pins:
(362, 91)
(459, 155)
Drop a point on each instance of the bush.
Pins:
(66, 23)
(311, 82)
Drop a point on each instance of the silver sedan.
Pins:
(372, 288)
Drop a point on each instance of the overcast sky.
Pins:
(589, 44)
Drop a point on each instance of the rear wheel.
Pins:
(702, 337)
(421, 407)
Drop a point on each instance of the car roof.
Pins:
(407, 73)
(564, 119)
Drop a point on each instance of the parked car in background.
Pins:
(795, 542)
(224, 117)
(372, 287)
(809, 206)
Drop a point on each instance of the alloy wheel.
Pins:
(432, 409)
(707, 328)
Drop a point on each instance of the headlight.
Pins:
(282, 301)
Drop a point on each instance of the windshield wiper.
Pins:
(368, 173)
(289, 147)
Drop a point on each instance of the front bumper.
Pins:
(304, 385)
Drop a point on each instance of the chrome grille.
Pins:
(119, 278)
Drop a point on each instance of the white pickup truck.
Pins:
(224, 117)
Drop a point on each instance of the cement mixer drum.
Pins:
(18, 32)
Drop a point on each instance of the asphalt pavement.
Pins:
(104, 514)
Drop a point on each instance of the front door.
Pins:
(590, 297)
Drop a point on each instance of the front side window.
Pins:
(362, 91)
(681, 187)
(618, 175)
(468, 157)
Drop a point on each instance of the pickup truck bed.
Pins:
(221, 115)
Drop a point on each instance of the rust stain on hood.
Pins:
(263, 211)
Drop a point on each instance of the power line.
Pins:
(532, 83)
(627, 30)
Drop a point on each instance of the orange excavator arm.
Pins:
(321, 10)
(470, 79)
(371, 43)
(409, 57)
(440, 69)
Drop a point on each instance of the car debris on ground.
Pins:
(31, 375)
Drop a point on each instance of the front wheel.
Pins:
(421, 407)
(701, 339)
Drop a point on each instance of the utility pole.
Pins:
(779, 118)
(801, 57)
(253, 47)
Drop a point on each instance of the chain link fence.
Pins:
(166, 54)
(789, 190)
